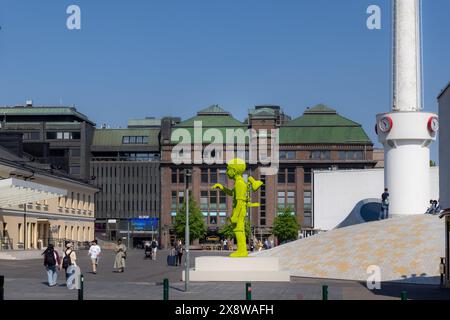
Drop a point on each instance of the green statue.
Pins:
(241, 201)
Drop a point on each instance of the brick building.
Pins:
(320, 139)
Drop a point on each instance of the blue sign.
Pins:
(147, 224)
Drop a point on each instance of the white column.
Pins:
(407, 56)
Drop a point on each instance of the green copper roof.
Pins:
(213, 116)
(43, 111)
(114, 137)
(322, 124)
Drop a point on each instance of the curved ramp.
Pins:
(406, 248)
(366, 210)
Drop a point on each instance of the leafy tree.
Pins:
(197, 228)
(285, 226)
(227, 230)
(432, 163)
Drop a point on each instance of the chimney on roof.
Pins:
(29, 103)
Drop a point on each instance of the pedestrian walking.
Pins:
(52, 264)
(179, 251)
(154, 249)
(225, 244)
(69, 259)
(94, 253)
(384, 214)
(121, 255)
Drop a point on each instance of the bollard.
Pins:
(248, 291)
(166, 289)
(325, 292)
(404, 295)
(2, 290)
(81, 289)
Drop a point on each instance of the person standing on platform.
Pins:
(384, 214)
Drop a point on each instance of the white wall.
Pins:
(444, 148)
(336, 193)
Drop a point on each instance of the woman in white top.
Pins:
(94, 253)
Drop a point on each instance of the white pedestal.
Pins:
(213, 268)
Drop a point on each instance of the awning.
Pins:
(14, 192)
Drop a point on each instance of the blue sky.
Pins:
(156, 57)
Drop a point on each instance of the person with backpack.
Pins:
(154, 248)
(51, 263)
(69, 259)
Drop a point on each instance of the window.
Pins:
(204, 200)
(281, 176)
(320, 155)
(31, 136)
(213, 200)
(291, 175)
(291, 200)
(286, 175)
(63, 135)
(204, 174)
(287, 155)
(351, 155)
(173, 216)
(135, 140)
(174, 200)
(307, 175)
(205, 217)
(213, 218)
(222, 218)
(222, 176)
(262, 221)
(222, 201)
(307, 203)
(181, 198)
(281, 202)
(174, 175)
(213, 176)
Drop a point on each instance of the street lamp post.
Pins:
(187, 173)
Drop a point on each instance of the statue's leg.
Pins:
(241, 245)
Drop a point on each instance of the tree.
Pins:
(227, 230)
(285, 226)
(197, 228)
(432, 163)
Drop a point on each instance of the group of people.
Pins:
(434, 208)
(151, 247)
(260, 245)
(54, 262)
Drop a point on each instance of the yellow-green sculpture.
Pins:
(241, 200)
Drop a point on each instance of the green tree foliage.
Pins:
(432, 163)
(197, 228)
(227, 230)
(285, 226)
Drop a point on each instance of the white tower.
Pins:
(406, 133)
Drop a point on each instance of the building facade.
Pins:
(58, 136)
(38, 207)
(320, 139)
(444, 142)
(125, 167)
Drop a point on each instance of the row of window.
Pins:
(135, 140)
(53, 135)
(63, 135)
(210, 218)
(77, 201)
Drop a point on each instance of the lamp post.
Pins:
(187, 173)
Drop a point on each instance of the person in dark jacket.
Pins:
(52, 264)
